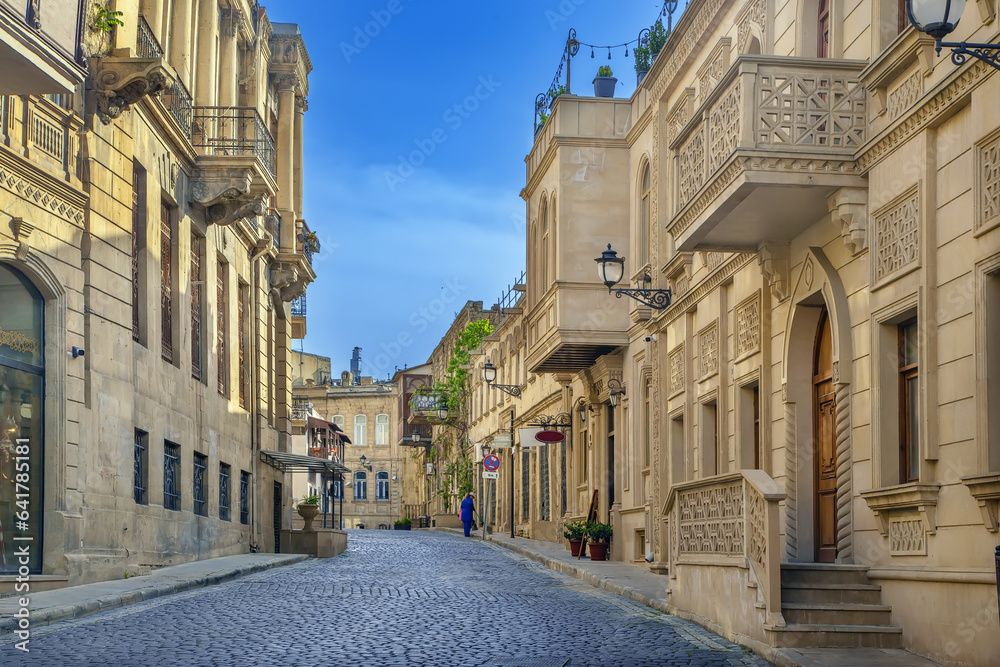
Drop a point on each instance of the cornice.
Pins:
(699, 291)
(538, 173)
(589, 142)
(641, 123)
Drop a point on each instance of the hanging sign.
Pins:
(546, 437)
(501, 441)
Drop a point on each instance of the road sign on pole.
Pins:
(490, 475)
(491, 463)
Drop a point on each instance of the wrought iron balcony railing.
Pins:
(177, 101)
(299, 307)
(233, 131)
(146, 46)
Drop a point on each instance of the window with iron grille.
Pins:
(381, 486)
(525, 485)
(543, 481)
(241, 298)
(140, 468)
(197, 284)
(244, 497)
(171, 471)
(360, 486)
(225, 473)
(166, 283)
(200, 464)
(338, 489)
(220, 343)
(138, 228)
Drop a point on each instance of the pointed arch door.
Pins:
(824, 444)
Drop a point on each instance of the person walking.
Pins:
(468, 512)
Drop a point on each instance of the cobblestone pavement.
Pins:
(394, 598)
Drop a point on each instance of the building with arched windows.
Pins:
(151, 244)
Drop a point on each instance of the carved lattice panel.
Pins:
(989, 184)
(904, 95)
(691, 166)
(748, 326)
(810, 110)
(708, 344)
(756, 527)
(756, 13)
(897, 235)
(710, 520)
(724, 127)
(907, 538)
(677, 369)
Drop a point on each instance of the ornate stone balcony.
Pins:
(758, 159)
(41, 46)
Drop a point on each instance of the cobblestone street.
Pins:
(394, 598)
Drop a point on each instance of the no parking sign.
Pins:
(491, 463)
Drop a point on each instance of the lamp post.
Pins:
(938, 18)
(512, 471)
(615, 390)
(490, 375)
(611, 268)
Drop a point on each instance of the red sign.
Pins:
(491, 463)
(549, 436)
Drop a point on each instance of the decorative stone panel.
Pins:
(724, 127)
(708, 344)
(715, 66)
(897, 234)
(680, 114)
(691, 166)
(710, 521)
(677, 369)
(907, 537)
(987, 184)
(754, 13)
(810, 109)
(748, 326)
(905, 95)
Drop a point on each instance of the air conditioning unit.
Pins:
(430, 468)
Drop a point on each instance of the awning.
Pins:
(316, 422)
(297, 462)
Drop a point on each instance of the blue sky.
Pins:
(420, 116)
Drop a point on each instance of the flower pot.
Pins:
(598, 551)
(574, 547)
(401, 526)
(604, 86)
(639, 76)
(308, 513)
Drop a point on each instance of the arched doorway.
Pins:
(22, 370)
(824, 444)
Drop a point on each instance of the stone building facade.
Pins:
(150, 246)
(814, 410)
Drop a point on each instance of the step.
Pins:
(836, 614)
(811, 635)
(822, 573)
(831, 593)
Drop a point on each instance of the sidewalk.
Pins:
(48, 607)
(639, 584)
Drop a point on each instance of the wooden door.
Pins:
(825, 447)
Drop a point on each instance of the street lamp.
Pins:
(938, 18)
(366, 466)
(611, 269)
(443, 413)
(490, 375)
(615, 390)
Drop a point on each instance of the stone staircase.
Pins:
(832, 606)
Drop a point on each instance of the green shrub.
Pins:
(604, 70)
(599, 532)
(403, 522)
(575, 530)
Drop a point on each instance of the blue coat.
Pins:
(468, 507)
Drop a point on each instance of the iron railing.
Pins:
(177, 101)
(299, 307)
(146, 45)
(272, 223)
(233, 131)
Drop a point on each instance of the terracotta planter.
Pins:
(598, 551)
(308, 513)
(574, 547)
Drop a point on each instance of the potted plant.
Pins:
(646, 53)
(308, 509)
(599, 535)
(642, 62)
(575, 531)
(402, 524)
(605, 82)
(311, 241)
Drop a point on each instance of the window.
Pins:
(171, 469)
(525, 484)
(582, 449)
(242, 311)
(220, 342)
(901, 20)
(640, 544)
(644, 217)
(138, 241)
(823, 30)
(338, 420)
(166, 284)
(360, 486)
(338, 489)
(677, 449)
(909, 404)
(244, 497)
(197, 283)
(140, 468)
(381, 486)
(544, 273)
(381, 429)
(200, 464)
(225, 473)
(360, 427)
(712, 462)
(647, 422)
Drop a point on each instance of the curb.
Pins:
(117, 600)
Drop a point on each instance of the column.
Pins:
(286, 160)
(208, 27)
(152, 11)
(301, 106)
(229, 51)
(180, 39)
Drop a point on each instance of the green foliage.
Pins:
(542, 118)
(107, 20)
(604, 70)
(575, 530)
(644, 55)
(403, 522)
(310, 500)
(599, 533)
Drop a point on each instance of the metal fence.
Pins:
(233, 131)
(146, 46)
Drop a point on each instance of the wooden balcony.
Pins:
(759, 156)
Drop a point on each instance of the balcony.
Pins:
(42, 131)
(235, 168)
(423, 409)
(774, 130)
(299, 318)
(41, 46)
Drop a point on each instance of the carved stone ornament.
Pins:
(773, 258)
(22, 231)
(121, 82)
(216, 185)
(849, 209)
(287, 281)
(229, 211)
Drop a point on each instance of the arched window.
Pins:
(823, 29)
(381, 429)
(338, 420)
(644, 217)
(544, 250)
(360, 430)
(361, 486)
(381, 485)
(22, 368)
(535, 281)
